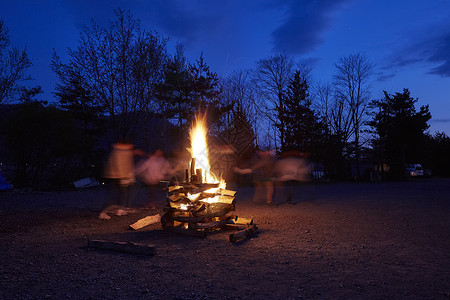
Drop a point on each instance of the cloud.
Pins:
(440, 49)
(384, 76)
(305, 23)
(432, 50)
(180, 19)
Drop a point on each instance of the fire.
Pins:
(201, 203)
(199, 151)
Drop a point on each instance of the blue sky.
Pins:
(408, 41)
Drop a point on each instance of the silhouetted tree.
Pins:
(303, 131)
(87, 114)
(13, 64)
(237, 125)
(438, 158)
(44, 145)
(75, 98)
(205, 83)
(187, 88)
(118, 67)
(271, 78)
(237, 91)
(206, 91)
(400, 130)
(352, 94)
(174, 92)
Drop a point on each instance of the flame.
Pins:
(199, 150)
(214, 199)
(193, 197)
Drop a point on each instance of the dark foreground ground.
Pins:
(339, 241)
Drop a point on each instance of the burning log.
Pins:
(241, 235)
(199, 175)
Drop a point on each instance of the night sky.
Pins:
(407, 40)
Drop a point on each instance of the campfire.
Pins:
(201, 203)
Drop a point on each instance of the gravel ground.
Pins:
(338, 241)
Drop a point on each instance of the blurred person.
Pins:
(262, 171)
(119, 173)
(292, 168)
(151, 172)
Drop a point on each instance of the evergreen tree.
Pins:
(400, 131)
(206, 91)
(303, 130)
(174, 93)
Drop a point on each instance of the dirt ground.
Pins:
(338, 241)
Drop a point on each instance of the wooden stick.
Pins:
(126, 247)
(193, 167)
(146, 221)
(199, 175)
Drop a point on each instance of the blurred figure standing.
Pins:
(292, 168)
(151, 172)
(119, 173)
(262, 176)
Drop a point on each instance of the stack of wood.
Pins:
(197, 207)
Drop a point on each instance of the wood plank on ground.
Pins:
(146, 221)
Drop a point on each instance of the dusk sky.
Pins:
(407, 40)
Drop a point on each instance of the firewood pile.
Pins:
(202, 203)
(196, 208)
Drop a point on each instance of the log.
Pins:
(229, 226)
(199, 176)
(177, 206)
(227, 192)
(241, 235)
(215, 210)
(186, 219)
(226, 199)
(126, 247)
(194, 178)
(174, 188)
(146, 221)
(208, 225)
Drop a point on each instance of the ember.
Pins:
(201, 203)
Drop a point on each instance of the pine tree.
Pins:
(399, 130)
(302, 127)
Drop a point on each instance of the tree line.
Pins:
(121, 81)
